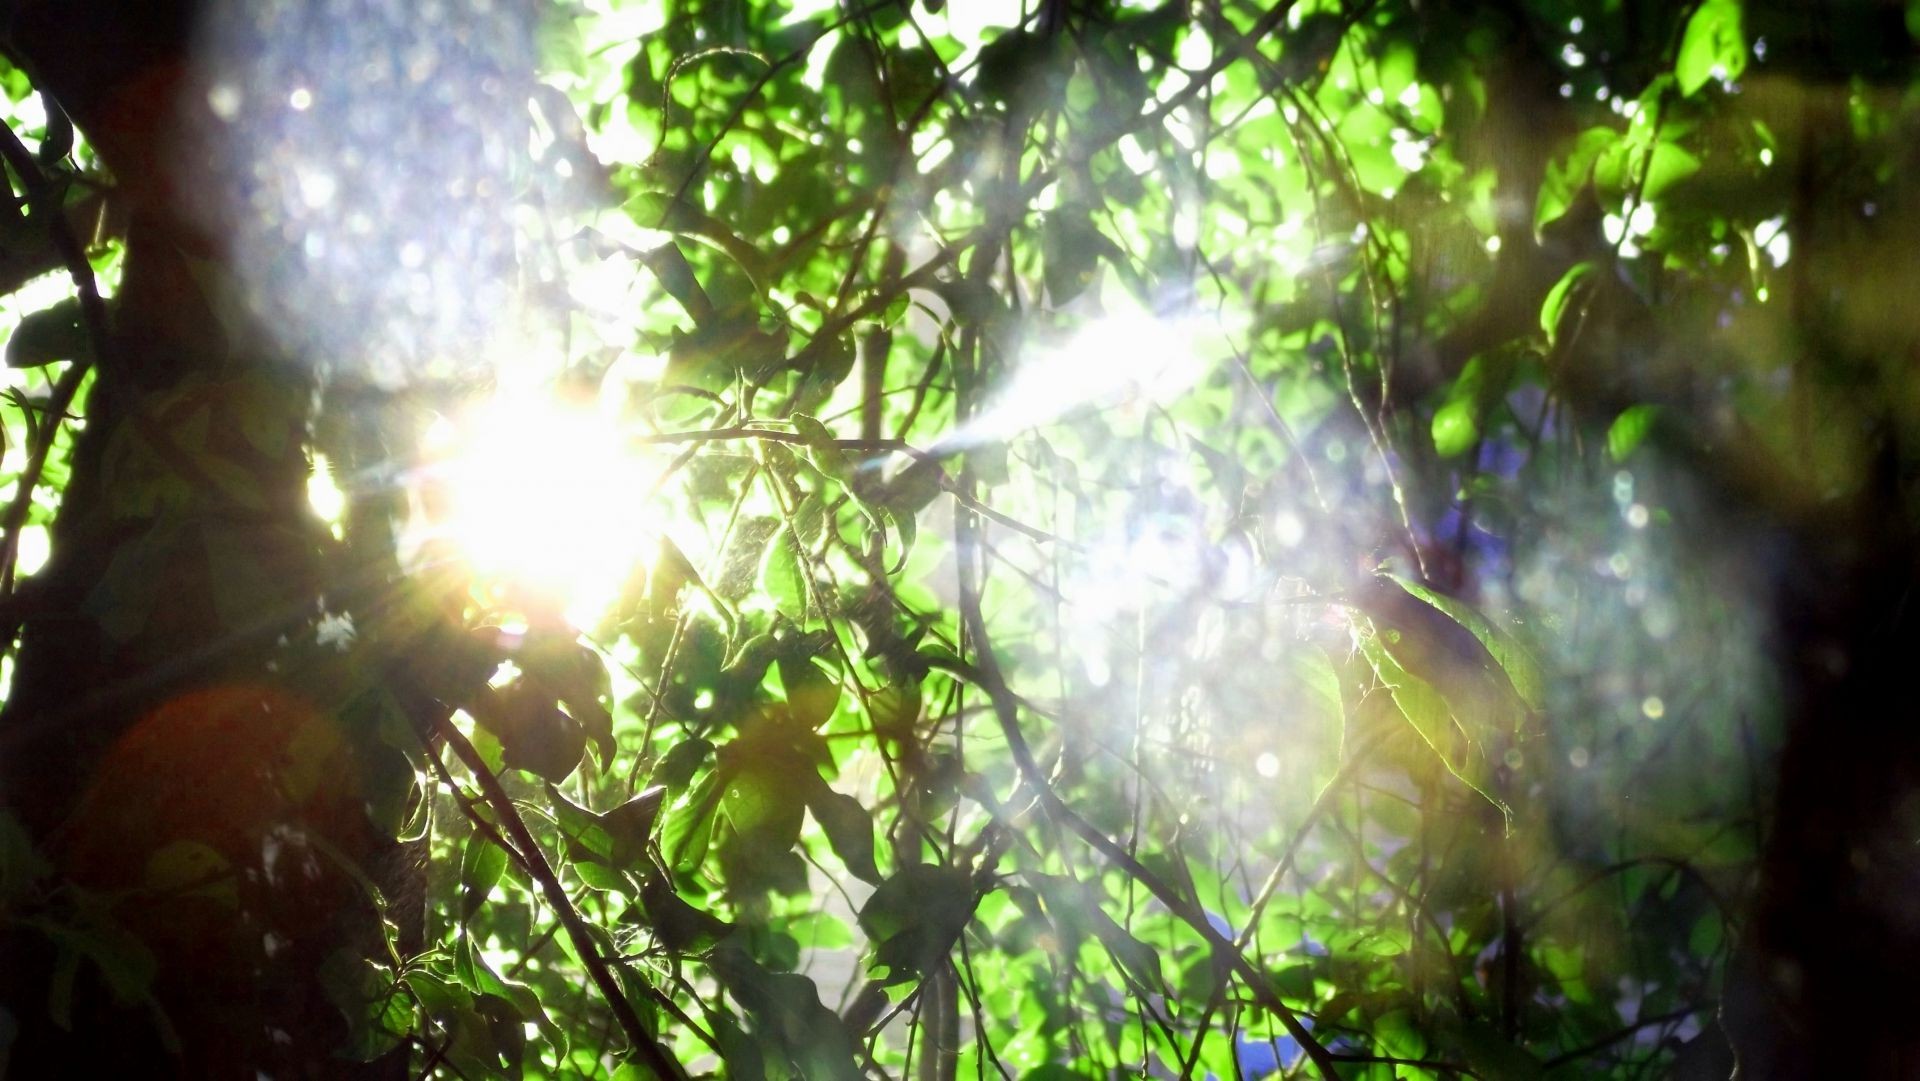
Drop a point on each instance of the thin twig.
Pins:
(646, 1046)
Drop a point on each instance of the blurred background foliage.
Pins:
(1064, 539)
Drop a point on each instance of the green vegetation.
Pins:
(1077, 539)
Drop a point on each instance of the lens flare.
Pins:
(545, 503)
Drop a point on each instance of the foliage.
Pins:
(1172, 539)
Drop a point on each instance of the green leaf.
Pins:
(849, 830)
(812, 694)
(1629, 430)
(763, 802)
(379, 1014)
(21, 864)
(781, 572)
(1457, 424)
(1071, 246)
(826, 453)
(1009, 64)
(660, 210)
(534, 734)
(680, 927)
(894, 708)
(1553, 310)
(617, 838)
(1455, 428)
(630, 825)
(481, 864)
(1567, 177)
(1492, 1056)
(914, 917)
(688, 832)
(789, 1019)
(1430, 715)
(1522, 669)
(669, 264)
(1667, 166)
(676, 768)
(1714, 45)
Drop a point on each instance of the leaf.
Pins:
(812, 694)
(660, 210)
(894, 708)
(1071, 246)
(739, 1051)
(789, 1019)
(679, 926)
(575, 675)
(1455, 428)
(914, 918)
(669, 264)
(617, 838)
(534, 734)
(1714, 44)
(916, 486)
(1492, 1056)
(1629, 430)
(1515, 660)
(1457, 424)
(1666, 166)
(379, 1015)
(21, 864)
(849, 830)
(1554, 309)
(52, 334)
(689, 829)
(1427, 711)
(1007, 65)
(824, 364)
(781, 575)
(762, 804)
(676, 768)
(630, 825)
(825, 451)
(1567, 177)
(481, 864)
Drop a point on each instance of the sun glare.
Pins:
(546, 504)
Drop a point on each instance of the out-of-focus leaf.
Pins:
(1072, 903)
(1553, 310)
(1667, 166)
(49, 335)
(812, 694)
(1567, 176)
(1629, 430)
(1714, 44)
(1458, 423)
(1071, 246)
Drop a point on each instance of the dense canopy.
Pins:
(1032, 539)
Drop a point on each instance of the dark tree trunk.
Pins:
(151, 744)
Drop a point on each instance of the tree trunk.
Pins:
(205, 807)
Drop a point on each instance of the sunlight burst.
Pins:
(545, 503)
